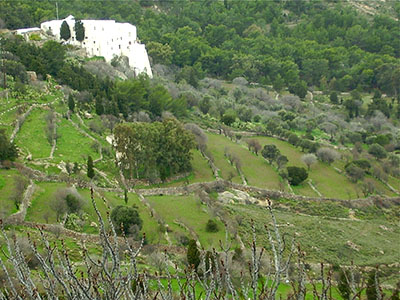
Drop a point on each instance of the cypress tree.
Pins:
(371, 286)
(126, 196)
(79, 31)
(71, 103)
(90, 170)
(193, 254)
(343, 284)
(65, 32)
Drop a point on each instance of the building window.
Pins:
(94, 28)
(73, 39)
(130, 43)
(119, 46)
(94, 42)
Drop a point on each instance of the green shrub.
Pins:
(35, 37)
(212, 226)
(74, 204)
(297, 175)
(125, 218)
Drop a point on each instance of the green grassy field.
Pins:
(327, 239)
(72, 145)
(256, 170)
(7, 206)
(189, 211)
(32, 135)
(324, 177)
(150, 225)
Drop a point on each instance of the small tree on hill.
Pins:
(327, 155)
(343, 284)
(193, 254)
(90, 170)
(297, 175)
(71, 103)
(309, 159)
(8, 150)
(371, 290)
(79, 31)
(65, 32)
(211, 226)
(378, 151)
(125, 218)
(334, 98)
(270, 153)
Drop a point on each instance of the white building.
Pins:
(106, 38)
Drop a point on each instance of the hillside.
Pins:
(279, 130)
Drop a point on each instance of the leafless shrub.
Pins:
(240, 81)
(309, 159)
(327, 155)
(96, 127)
(199, 134)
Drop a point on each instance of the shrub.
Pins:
(212, 226)
(297, 175)
(124, 218)
(354, 172)
(378, 151)
(74, 204)
(327, 155)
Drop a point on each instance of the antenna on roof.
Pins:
(57, 9)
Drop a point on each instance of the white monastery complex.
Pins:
(108, 39)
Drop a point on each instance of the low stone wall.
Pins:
(264, 193)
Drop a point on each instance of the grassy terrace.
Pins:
(256, 170)
(328, 239)
(189, 211)
(325, 178)
(72, 145)
(7, 206)
(150, 225)
(32, 135)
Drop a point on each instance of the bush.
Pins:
(125, 218)
(327, 155)
(378, 151)
(74, 204)
(212, 226)
(297, 175)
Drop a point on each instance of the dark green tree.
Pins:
(8, 151)
(371, 286)
(65, 32)
(74, 204)
(79, 31)
(270, 153)
(299, 88)
(193, 254)
(334, 98)
(90, 170)
(126, 196)
(297, 175)
(124, 218)
(71, 103)
(343, 284)
(211, 226)
(229, 117)
(99, 107)
(378, 151)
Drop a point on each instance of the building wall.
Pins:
(107, 38)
